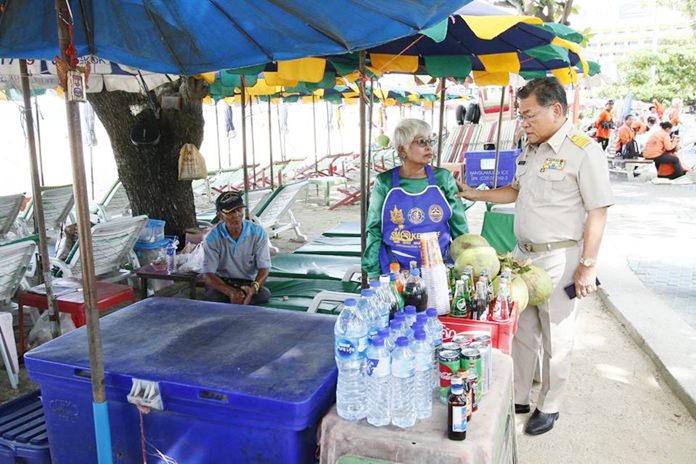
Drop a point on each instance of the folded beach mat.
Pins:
(297, 294)
(336, 246)
(344, 229)
(289, 265)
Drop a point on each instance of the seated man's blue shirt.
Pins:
(237, 259)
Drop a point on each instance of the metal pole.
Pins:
(314, 132)
(328, 127)
(96, 362)
(497, 137)
(253, 140)
(363, 167)
(244, 148)
(38, 202)
(280, 133)
(38, 137)
(270, 141)
(442, 119)
(91, 169)
(217, 134)
(366, 198)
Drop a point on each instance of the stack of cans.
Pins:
(471, 352)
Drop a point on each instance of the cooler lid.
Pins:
(252, 357)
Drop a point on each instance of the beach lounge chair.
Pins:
(344, 229)
(276, 207)
(112, 247)
(14, 259)
(295, 265)
(256, 200)
(314, 295)
(9, 210)
(57, 202)
(114, 204)
(334, 246)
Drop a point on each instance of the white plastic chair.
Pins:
(276, 207)
(9, 210)
(112, 246)
(14, 259)
(114, 204)
(57, 202)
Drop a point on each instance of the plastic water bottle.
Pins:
(395, 332)
(383, 297)
(421, 318)
(434, 328)
(403, 378)
(368, 311)
(171, 256)
(385, 333)
(423, 393)
(378, 383)
(410, 311)
(414, 328)
(350, 349)
(415, 292)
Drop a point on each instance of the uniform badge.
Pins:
(416, 215)
(397, 216)
(553, 164)
(435, 213)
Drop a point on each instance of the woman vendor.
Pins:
(409, 200)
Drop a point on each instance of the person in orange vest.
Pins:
(604, 125)
(661, 148)
(674, 115)
(627, 135)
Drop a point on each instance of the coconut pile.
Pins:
(529, 285)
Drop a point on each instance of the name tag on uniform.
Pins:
(553, 164)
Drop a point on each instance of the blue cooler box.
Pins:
(480, 166)
(238, 384)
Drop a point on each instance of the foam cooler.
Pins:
(238, 384)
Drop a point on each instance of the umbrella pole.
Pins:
(270, 142)
(442, 119)
(366, 198)
(38, 201)
(217, 135)
(328, 127)
(363, 167)
(253, 140)
(38, 137)
(244, 148)
(91, 168)
(314, 132)
(497, 137)
(280, 133)
(96, 361)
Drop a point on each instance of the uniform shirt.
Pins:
(658, 143)
(626, 134)
(673, 116)
(383, 183)
(237, 259)
(602, 133)
(558, 182)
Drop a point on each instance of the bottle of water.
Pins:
(394, 332)
(410, 311)
(388, 305)
(350, 334)
(381, 302)
(423, 394)
(385, 333)
(378, 383)
(171, 256)
(414, 328)
(421, 318)
(434, 328)
(368, 311)
(403, 378)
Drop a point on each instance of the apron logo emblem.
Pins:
(397, 216)
(435, 213)
(416, 215)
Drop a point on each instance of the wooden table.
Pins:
(151, 272)
(490, 438)
(73, 302)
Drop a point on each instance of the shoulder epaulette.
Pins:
(580, 140)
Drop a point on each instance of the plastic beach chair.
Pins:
(302, 266)
(9, 210)
(14, 260)
(57, 202)
(334, 246)
(114, 204)
(344, 229)
(312, 295)
(256, 199)
(276, 208)
(112, 247)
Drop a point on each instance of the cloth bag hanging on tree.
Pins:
(191, 163)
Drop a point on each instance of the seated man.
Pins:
(237, 256)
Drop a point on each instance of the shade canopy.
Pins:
(189, 37)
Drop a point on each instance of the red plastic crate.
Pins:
(501, 332)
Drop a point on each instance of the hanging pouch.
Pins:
(191, 163)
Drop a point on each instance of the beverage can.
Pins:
(487, 341)
(484, 376)
(450, 346)
(471, 361)
(462, 341)
(449, 365)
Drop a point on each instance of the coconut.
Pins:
(465, 241)
(481, 258)
(539, 285)
(382, 141)
(518, 291)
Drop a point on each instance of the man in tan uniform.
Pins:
(562, 193)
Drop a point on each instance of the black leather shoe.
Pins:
(540, 422)
(522, 408)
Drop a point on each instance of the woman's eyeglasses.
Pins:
(423, 142)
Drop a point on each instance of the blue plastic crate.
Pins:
(23, 435)
(239, 384)
(480, 167)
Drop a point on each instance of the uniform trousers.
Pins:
(550, 325)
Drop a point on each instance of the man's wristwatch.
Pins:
(587, 262)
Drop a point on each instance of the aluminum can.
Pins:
(471, 361)
(449, 366)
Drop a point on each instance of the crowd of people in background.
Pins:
(652, 134)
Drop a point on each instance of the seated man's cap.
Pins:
(229, 201)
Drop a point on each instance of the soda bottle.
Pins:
(415, 292)
(403, 378)
(395, 291)
(395, 269)
(481, 301)
(423, 358)
(457, 411)
(350, 334)
(460, 300)
(501, 311)
(378, 383)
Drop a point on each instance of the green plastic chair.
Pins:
(306, 266)
(311, 295)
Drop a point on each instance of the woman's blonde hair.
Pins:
(407, 130)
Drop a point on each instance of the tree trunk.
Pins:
(150, 173)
